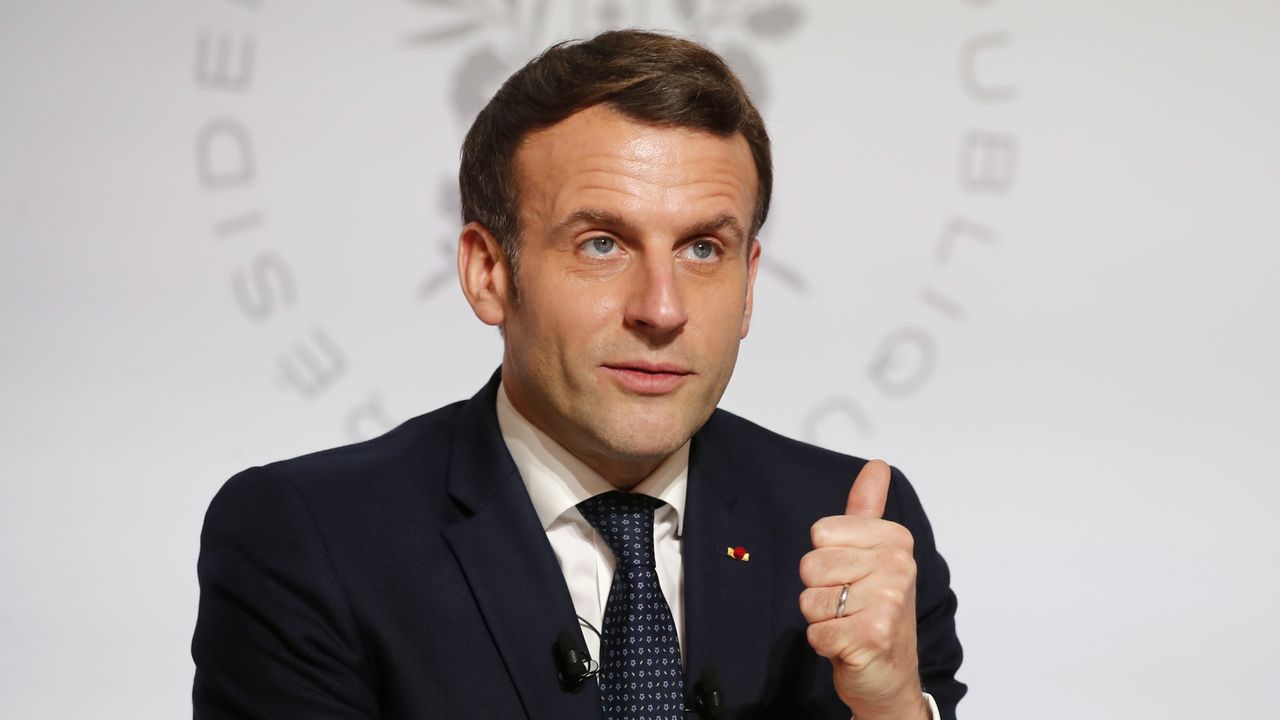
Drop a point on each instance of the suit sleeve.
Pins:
(939, 647)
(275, 637)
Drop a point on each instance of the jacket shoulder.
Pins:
(422, 438)
(361, 479)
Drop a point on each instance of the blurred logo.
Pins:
(483, 42)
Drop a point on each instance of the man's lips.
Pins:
(647, 378)
(648, 367)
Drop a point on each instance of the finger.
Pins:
(836, 566)
(855, 532)
(871, 616)
(833, 567)
(819, 604)
(853, 639)
(870, 491)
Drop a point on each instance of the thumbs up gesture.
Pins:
(860, 602)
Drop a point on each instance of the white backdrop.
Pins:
(1025, 251)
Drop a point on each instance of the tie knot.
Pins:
(625, 521)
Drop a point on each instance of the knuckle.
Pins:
(893, 598)
(880, 634)
(809, 603)
(903, 562)
(817, 639)
(858, 659)
(902, 536)
(820, 532)
(810, 565)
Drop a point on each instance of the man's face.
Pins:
(635, 285)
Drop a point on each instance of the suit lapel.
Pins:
(510, 567)
(726, 599)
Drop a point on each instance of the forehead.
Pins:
(599, 156)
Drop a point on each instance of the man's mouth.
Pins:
(645, 378)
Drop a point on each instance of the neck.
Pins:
(621, 475)
(620, 470)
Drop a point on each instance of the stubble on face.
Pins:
(635, 285)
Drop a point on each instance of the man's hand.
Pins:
(872, 645)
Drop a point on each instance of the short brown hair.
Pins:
(647, 76)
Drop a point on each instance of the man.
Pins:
(591, 496)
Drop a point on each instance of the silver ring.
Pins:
(844, 597)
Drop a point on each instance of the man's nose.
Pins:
(655, 305)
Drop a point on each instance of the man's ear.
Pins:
(753, 264)
(484, 273)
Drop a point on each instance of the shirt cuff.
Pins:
(933, 708)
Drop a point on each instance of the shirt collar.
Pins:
(557, 481)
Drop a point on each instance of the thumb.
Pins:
(870, 491)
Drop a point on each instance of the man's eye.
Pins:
(602, 245)
(702, 250)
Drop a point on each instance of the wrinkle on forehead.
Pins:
(604, 154)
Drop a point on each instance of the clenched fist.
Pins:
(860, 601)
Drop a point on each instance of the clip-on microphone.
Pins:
(573, 661)
(708, 697)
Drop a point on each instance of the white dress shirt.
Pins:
(557, 481)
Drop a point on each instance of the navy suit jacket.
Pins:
(409, 577)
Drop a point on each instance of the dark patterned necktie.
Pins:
(640, 675)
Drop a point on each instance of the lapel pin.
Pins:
(739, 553)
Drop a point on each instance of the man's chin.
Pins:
(648, 438)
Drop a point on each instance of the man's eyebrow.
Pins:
(605, 218)
(592, 216)
(723, 221)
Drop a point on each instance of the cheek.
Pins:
(723, 319)
(570, 319)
